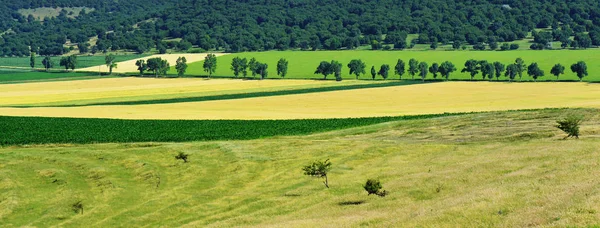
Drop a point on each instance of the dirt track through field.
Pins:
(129, 66)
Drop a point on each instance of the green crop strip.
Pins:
(45, 130)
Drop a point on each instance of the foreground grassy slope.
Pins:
(494, 169)
(302, 64)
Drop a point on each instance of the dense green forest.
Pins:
(257, 25)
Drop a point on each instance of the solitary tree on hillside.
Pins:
(399, 69)
(32, 60)
(471, 66)
(357, 67)
(373, 72)
(384, 71)
(446, 68)
(511, 72)
(423, 68)
(520, 67)
(534, 71)
(498, 69)
(141, 64)
(109, 60)
(210, 64)
(433, 69)
(570, 125)
(413, 67)
(557, 70)
(282, 67)
(318, 169)
(48, 63)
(580, 68)
(373, 187)
(181, 66)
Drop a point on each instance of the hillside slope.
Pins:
(494, 169)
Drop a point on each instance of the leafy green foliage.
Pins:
(384, 71)
(32, 60)
(413, 67)
(158, 65)
(399, 69)
(570, 125)
(69, 62)
(181, 66)
(580, 68)
(446, 68)
(373, 72)
(210, 64)
(282, 67)
(472, 67)
(434, 69)
(318, 169)
(142, 66)
(498, 69)
(534, 71)
(423, 69)
(42, 130)
(357, 67)
(519, 67)
(373, 187)
(48, 63)
(557, 70)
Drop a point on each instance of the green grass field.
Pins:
(500, 169)
(302, 64)
(82, 61)
(20, 76)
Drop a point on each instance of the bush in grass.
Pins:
(570, 125)
(373, 187)
(182, 156)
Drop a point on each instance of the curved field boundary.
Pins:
(238, 95)
(129, 66)
(46, 130)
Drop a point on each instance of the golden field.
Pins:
(388, 101)
(139, 88)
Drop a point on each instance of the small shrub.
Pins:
(570, 125)
(318, 169)
(182, 156)
(373, 187)
(77, 207)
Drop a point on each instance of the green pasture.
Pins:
(302, 64)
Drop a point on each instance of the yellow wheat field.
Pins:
(389, 101)
(129, 66)
(64, 91)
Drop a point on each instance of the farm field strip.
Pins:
(82, 61)
(130, 67)
(302, 64)
(389, 101)
(134, 89)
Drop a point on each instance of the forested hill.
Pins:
(253, 25)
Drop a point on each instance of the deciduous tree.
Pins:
(557, 70)
(357, 67)
(210, 64)
(580, 68)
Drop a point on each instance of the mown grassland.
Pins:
(507, 169)
(302, 64)
(429, 98)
